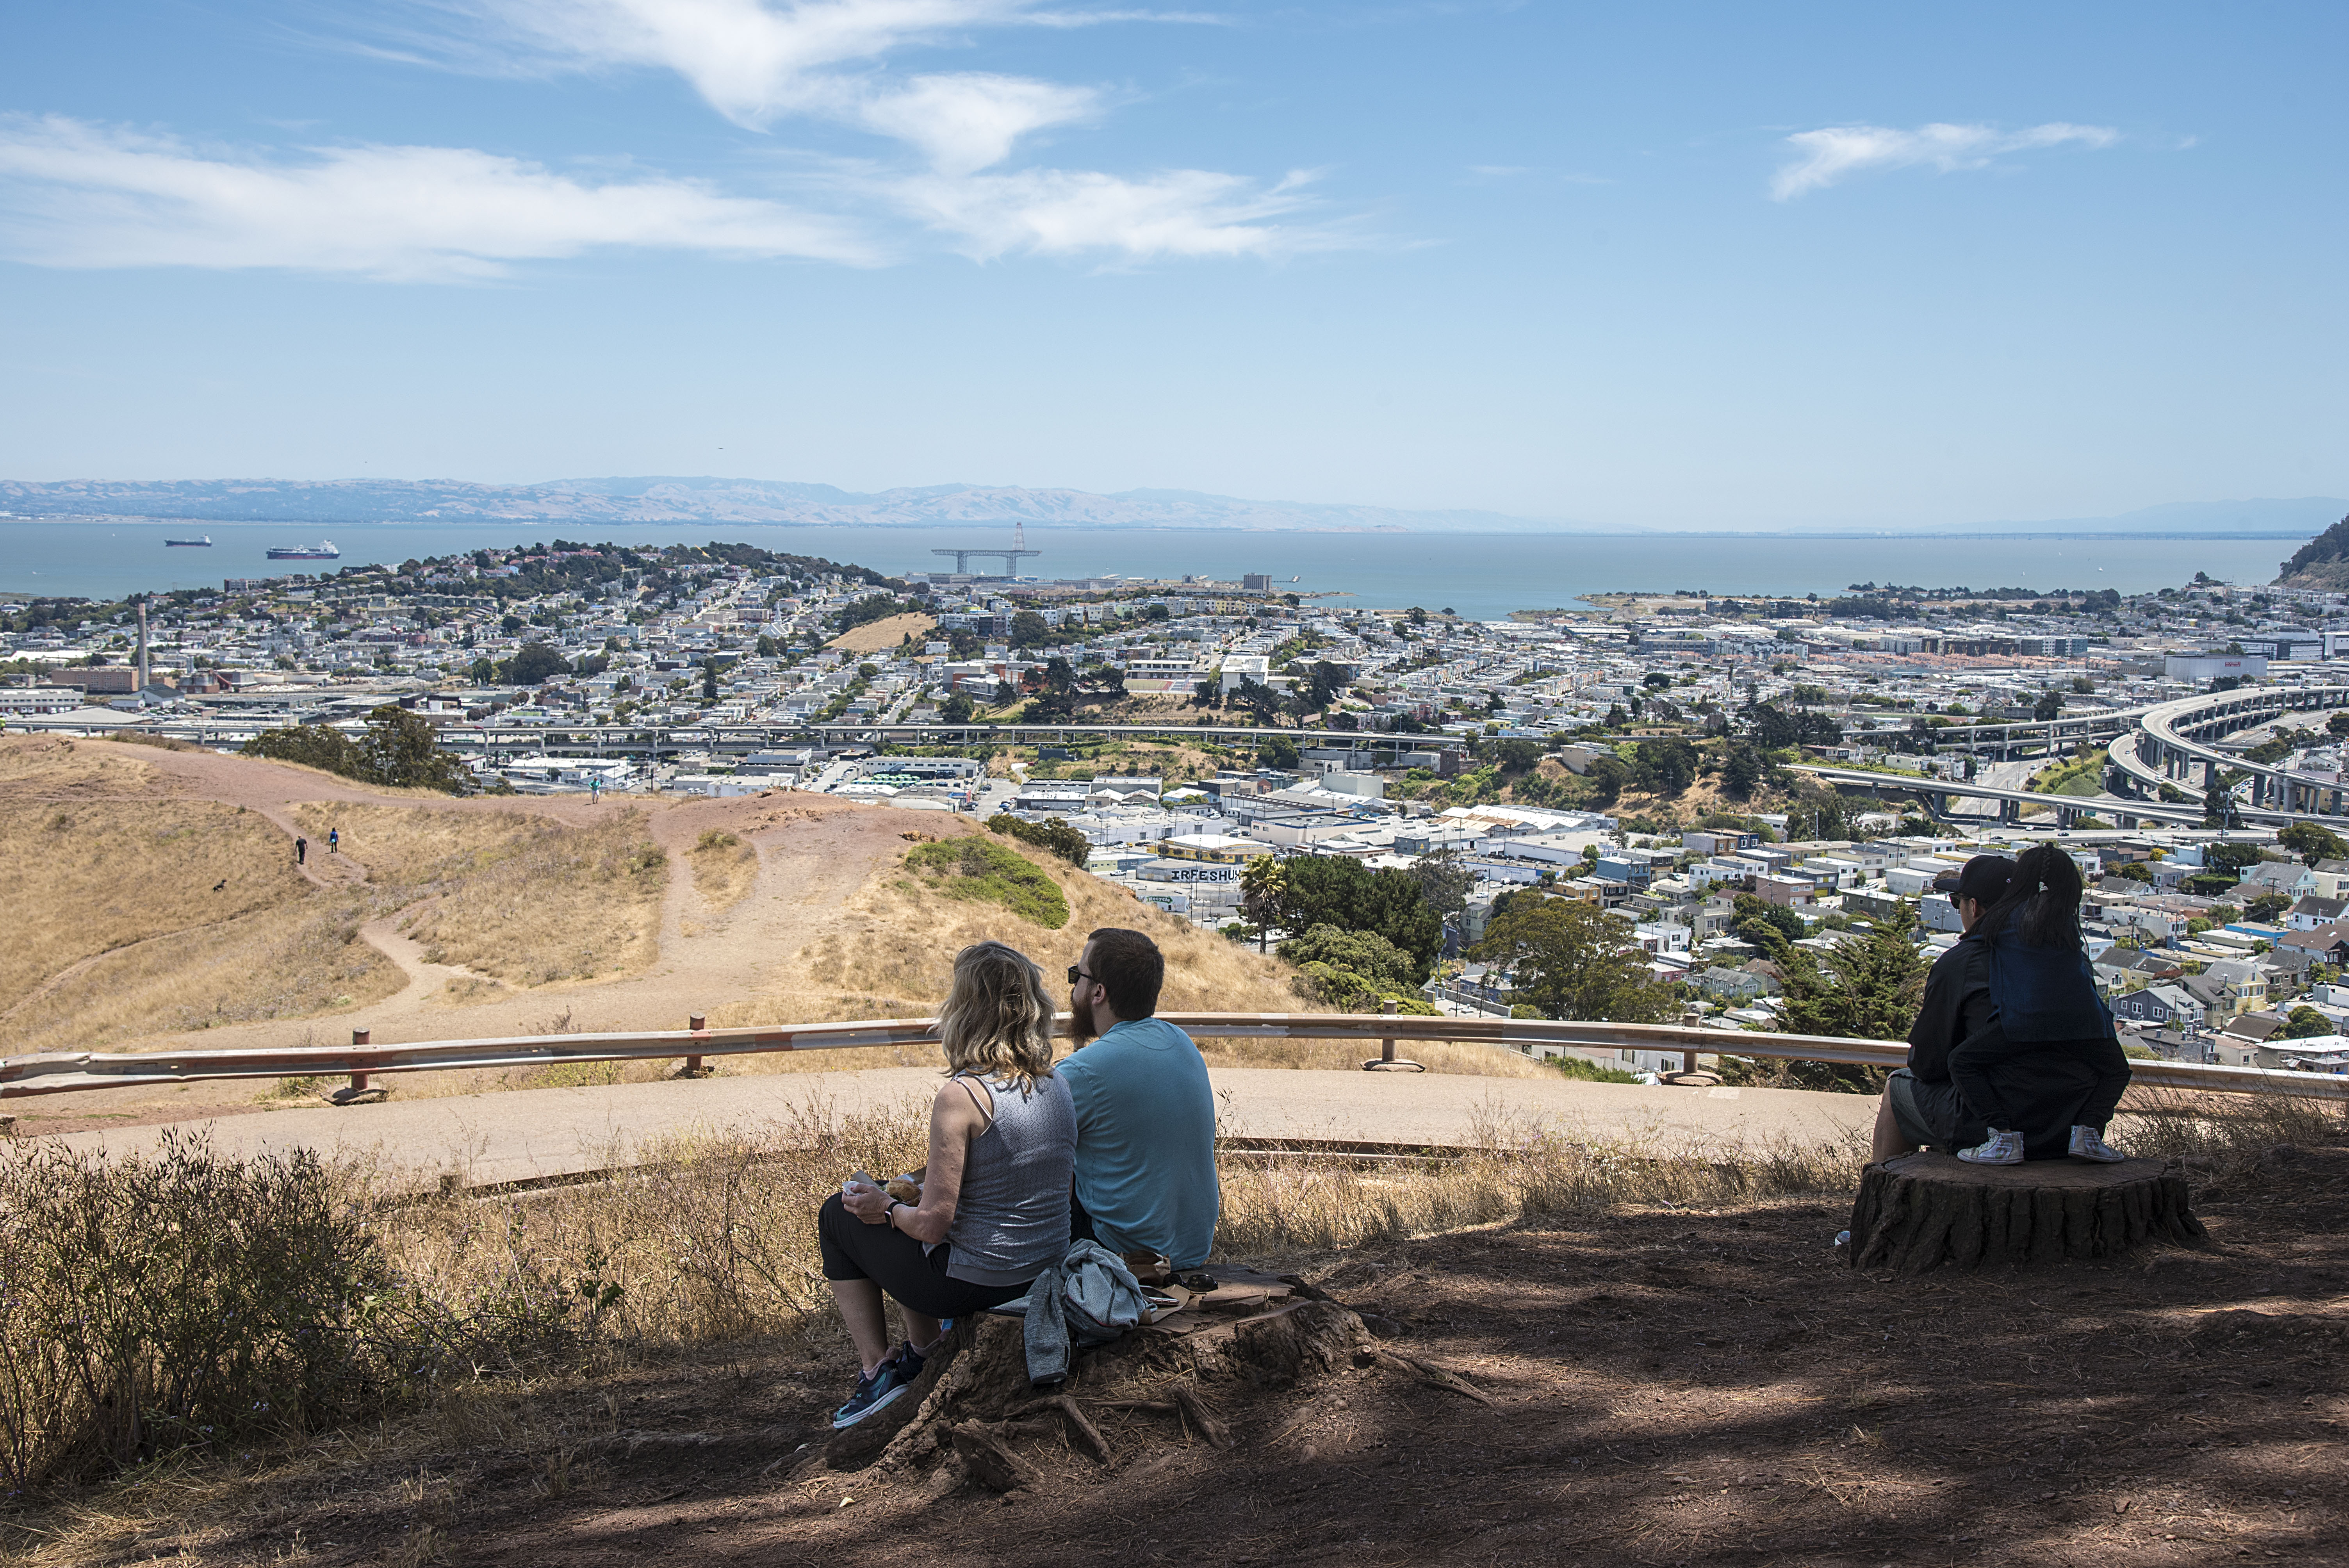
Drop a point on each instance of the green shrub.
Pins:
(1051, 835)
(1352, 992)
(187, 1301)
(1583, 1067)
(1368, 954)
(974, 868)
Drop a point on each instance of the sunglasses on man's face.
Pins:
(1077, 973)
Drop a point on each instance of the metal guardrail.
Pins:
(64, 1071)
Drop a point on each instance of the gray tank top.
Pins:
(1012, 1218)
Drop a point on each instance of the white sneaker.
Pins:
(1999, 1149)
(2087, 1143)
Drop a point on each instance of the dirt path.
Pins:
(813, 853)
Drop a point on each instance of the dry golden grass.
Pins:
(39, 766)
(712, 1237)
(525, 899)
(724, 868)
(892, 946)
(118, 932)
(84, 877)
(296, 961)
(880, 636)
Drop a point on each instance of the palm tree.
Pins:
(1262, 886)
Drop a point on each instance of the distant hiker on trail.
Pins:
(1145, 1113)
(2013, 1057)
(989, 1210)
(301, 850)
(334, 841)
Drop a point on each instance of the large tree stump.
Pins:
(1254, 1340)
(1918, 1212)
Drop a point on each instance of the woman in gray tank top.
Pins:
(992, 1209)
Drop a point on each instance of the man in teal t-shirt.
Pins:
(1145, 1115)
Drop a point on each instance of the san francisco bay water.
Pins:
(1483, 575)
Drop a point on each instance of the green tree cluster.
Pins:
(877, 607)
(1573, 960)
(1331, 890)
(2304, 1021)
(398, 748)
(1773, 728)
(2312, 841)
(534, 663)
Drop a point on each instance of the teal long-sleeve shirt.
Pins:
(1146, 1140)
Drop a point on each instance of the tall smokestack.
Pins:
(142, 645)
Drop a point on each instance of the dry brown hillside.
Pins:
(158, 906)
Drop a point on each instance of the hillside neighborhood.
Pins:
(1650, 754)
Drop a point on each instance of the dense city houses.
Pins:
(1656, 755)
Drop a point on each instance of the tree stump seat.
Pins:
(1918, 1212)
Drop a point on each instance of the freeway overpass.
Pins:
(2022, 737)
(2068, 809)
(2119, 809)
(2172, 741)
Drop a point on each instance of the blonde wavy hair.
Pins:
(998, 1020)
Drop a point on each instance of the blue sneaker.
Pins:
(874, 1390)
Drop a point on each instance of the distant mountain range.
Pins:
(589, 502)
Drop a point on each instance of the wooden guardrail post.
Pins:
(694, 1066)
(360, 1090)
(1689, 1073)
(1386, 1060)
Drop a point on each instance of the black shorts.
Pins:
(1932, 1113)
(896, 1262)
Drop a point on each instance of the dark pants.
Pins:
(1081, 1224)
(2100, 1062)
(896, 1262)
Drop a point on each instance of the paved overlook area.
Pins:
(526, 1134)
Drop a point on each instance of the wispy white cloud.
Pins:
(757, 62)
(74, 194)
(1065, 213)
(761, 62)
(970, 120)
(1835, 152)
(752, 61)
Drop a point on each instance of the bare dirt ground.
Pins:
(1649, 1387)
(878, 636)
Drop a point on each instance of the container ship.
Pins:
(325, 551)
(205, 542)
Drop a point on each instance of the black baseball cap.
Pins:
(1982, 879)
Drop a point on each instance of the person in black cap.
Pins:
(2012, 1055)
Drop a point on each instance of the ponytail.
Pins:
(2044, 893)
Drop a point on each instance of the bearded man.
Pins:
(1145, 1177)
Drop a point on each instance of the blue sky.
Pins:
(1718, 266)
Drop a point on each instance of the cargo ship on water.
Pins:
(324, 551)
(205, 542)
